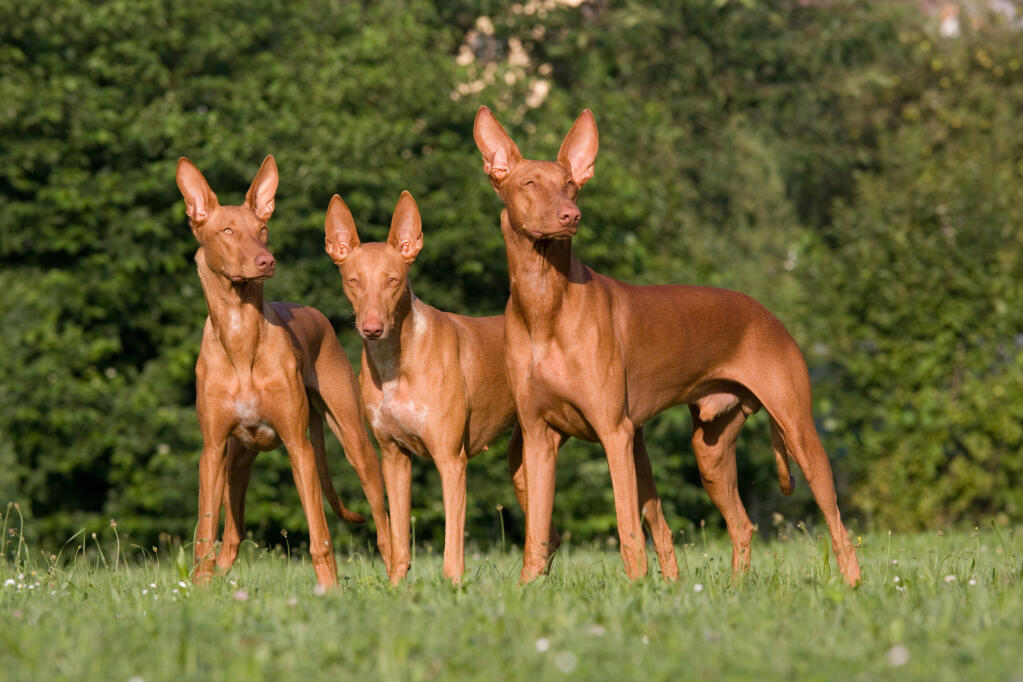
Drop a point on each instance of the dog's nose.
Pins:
(569, 215)
(265, 261)
(372, 328)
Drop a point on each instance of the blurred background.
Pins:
(855, 166)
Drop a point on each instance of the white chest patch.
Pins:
(398, 417)
(396, 405)
(247, 409)
(418, 324)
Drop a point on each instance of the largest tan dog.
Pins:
(591, 357)
(266, 372)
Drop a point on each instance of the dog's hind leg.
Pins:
(714, 447)
(650, 506)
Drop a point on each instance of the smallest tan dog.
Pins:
(433, 383)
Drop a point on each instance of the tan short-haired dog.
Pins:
(433, 383)
(266, 372)
(595, 358)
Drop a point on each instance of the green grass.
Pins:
(792, 618)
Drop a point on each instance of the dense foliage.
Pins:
(841, 163)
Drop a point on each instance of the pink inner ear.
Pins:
(266, 211)
(337, 251)
(582, 174)
(498, 166)
(198, 211)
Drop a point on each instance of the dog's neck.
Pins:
(539, 272)
(235, 312)
(388, 358)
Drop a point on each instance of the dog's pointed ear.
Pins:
(200, 201)
(406, 234)
(341, 238)
(500, 155)
(578, 152)
(260, 197)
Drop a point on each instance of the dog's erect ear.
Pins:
(260, 197)
(341, 237)
(578, 152)
(200, 201)
(406, 234)
(500, 155)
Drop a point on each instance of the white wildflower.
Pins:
(897, 655)
(543, 644)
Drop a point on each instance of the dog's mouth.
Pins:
(242, 279)
(565, 233)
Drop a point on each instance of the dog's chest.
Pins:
(565, 392)
(556, 372)
(399, 414)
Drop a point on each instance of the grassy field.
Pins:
(932, 607)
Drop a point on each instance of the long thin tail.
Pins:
(781, 456)
(319, 447)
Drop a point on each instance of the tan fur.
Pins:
(266, 372)
(594, 358)
(433, 383)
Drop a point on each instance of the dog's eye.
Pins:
(570, 186)
(530, 183)
(353, 281)
(262, 230)
(392, 281)
(228, 230)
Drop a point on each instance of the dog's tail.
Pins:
(781, 455)
(332, 497)
(326, 484)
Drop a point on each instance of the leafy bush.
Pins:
(838, 162)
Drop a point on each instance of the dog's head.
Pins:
(374, 275)
(233, 237)
(540, 195)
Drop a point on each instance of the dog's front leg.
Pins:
(452, 478)
(621, 462)
(212, 474)
(540, 443)
(397, 472)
